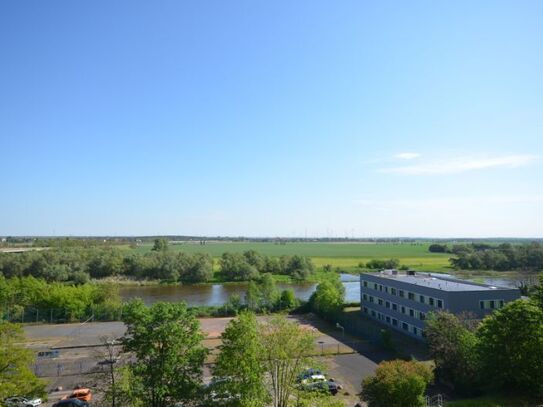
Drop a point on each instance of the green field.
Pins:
(344, 255)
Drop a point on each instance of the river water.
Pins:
(218, 294)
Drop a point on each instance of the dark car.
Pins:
(71, 403)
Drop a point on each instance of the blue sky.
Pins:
(274, 118)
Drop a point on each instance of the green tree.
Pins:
(239, 370)
(167, 342)
(252, 297)
(329, 296)
(288, 299)
(16, 374)
(397, 383)
(160, 245)
(510, 344)
(234, 267)
(269, 296)
(286, 352)
(453, 348)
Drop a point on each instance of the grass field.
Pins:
(344, 255)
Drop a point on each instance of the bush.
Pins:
(397, 383)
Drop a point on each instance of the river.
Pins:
(218, 294)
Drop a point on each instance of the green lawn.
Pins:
(344, 255)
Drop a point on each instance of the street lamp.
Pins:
(338, 326)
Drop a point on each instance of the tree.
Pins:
(234, 267)
(329, 296)
(510, 344)
(160, 245)
(438, 248)
(166, 340)
(269, 296)
(397, 383)
(252, 297)
(288, 299)
(286, 351)
(376, 264)
(239, 370)
(15, 364)
(453, 348)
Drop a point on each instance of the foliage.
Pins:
(234, 267)
(397, 383)
(57, 300)
(126, 390)
(329, 296)
(510, 344)
(502, 257)
(16, 375)
(286, 352)
(438, 248)
(453, 348)
(239, 369)
(376, 264)
(166, 340)
(160, 245)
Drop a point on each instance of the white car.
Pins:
(21, 402)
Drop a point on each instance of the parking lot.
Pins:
(78, 355)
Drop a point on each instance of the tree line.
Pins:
(32, 299)
(79, 264)
(502, 257)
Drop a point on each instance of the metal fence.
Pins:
(31, 315)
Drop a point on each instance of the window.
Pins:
(394, 322)
(482, 304)
(411, 313)
(439, 304)
(405, 327)
(373, 314)
(422, 316)
(401, 293)
(365, 310)
(371, 299)
(386, 289)
(380, 301)
(431, 301)
(411, 296)
(388, 320)
(415, 330)
(501, 304)
(366, 284)
(375, 286)
(380, 287)
(393, 291)
(403, 309)
(365, 297)
(492, 304)
(394, 307)
(421, 299)
(387, 304)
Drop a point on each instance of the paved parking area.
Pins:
(348, 369)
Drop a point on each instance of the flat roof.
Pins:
(436, 281)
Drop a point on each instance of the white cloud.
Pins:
(407, 156)
(457, 165)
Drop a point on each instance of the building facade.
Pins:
(402, 301)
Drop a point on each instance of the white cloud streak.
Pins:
(458, 165)
(407, 156)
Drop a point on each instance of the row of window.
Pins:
(413, 313)
(423, 299)
(491, 304)
(394, 322)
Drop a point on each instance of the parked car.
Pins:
(71, 403)
(22, 402)
(322, 385)
(311, 375)
(81, 393)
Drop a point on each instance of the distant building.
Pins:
(403, 300)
